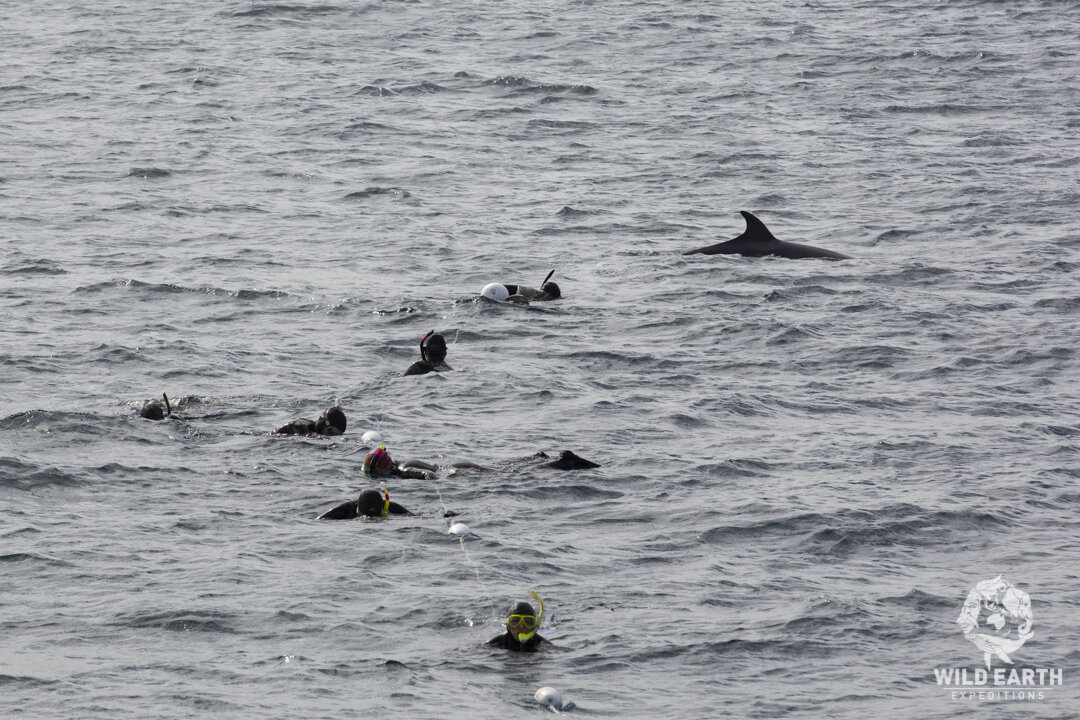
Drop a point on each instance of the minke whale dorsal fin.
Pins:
(755, 229)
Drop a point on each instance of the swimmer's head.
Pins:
(373, 503)
(152, 411)
(433, 348)
(371, 437)
(521, 621)
(496, 292)
(378, 462)
(551, 289)
(331, 422)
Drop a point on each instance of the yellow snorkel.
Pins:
(526, 637)
(386, 502)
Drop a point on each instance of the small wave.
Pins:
(170, 288)
(34, 558)
(894, 235)
(782, 527)
(920, 601)
(179, 621)
(375, 91)
(899, 526)
(524, 84)
(273, 9)
(571, 212)
(34, 267)
(149, 173)
(944, 109)
(509, 81)
(26, 476)
(789, 336)
(1065, 305)
(375, 191)
(13, 682)
(424, 88)
(563, 124)
(992, 140)
(917, 274)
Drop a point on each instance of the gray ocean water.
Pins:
(805, 465)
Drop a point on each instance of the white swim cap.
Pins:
(496, 292)
(372, 437)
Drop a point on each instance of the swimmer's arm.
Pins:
(344, 511)
(410, 472)
(413, 474)
(499, 641)
(417, 465)
(303, 426)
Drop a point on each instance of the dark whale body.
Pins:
(757, 241)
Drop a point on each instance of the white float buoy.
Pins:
(372, 437)
(550, 697)
(496, 292)
(460, 529)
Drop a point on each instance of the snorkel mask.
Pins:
(531, 624)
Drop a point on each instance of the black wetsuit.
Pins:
(303, 426)
(519, 293)
(569, 461)
(506, 641)
(423, 367)
(331, 422)
(349, 510)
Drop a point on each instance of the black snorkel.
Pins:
(423, 347)
(168, 408)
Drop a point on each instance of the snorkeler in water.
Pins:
(331, 422)
(371, 503)
(432, 355)
(378, 463)
(503, 292)
(153, 410)
(522, 626)
(567, 460)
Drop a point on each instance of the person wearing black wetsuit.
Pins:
(331, 422)
(520, 293)
(568, 461)
(505, 292)
(153, 411)
(521, 626)
(371, 503)
(432, 355)
(378, 463)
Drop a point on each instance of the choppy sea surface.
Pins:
(806, 466)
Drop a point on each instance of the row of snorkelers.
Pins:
(332, 423)
(522, 621)
(379, 464)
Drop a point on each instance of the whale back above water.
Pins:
(757, 241)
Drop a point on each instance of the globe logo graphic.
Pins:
(997, 619)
